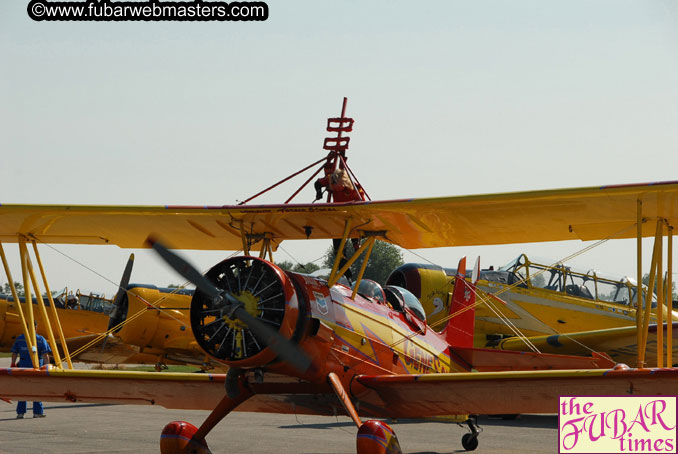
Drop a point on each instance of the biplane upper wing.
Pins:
(553, 215)
(390, 395)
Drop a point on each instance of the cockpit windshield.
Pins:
(548, 275)
(371, 289)
(411, 301)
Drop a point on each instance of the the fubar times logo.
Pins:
(617, 424)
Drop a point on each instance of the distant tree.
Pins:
(306, 268)
(646, 281)
(384, 259)
(174, 286)
(19, 288)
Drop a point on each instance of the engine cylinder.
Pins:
(266, 293)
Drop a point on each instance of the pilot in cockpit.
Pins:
(72, 302)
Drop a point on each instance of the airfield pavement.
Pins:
(94, 428)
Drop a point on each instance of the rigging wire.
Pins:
(524, 280)
(130, 318)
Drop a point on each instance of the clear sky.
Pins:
(449, 97)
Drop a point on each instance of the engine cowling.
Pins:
(431, 284)
(152, 328)
(265, 291)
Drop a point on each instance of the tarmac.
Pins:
(95, 428)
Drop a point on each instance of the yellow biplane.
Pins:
(548, 306)
(298, 344)
(142, 324)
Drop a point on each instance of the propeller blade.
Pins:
(124, 281)
(184, 268)
(283, 347)
(115, 317)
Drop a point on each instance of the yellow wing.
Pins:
(554, 215)
(620, 343)
(382, 395)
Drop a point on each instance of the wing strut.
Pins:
(365, 247)
(334, 276)
(29, 278)
(656, 279)
(55, 315)
(24, 326)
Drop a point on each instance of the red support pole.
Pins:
(282, 181)
(304, 185)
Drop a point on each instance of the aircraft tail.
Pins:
(459, 329)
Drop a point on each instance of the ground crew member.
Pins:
(21, 349)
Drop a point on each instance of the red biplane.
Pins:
(297, 344)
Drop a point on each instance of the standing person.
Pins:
(338, 184)
(342, 189)
(20, 348)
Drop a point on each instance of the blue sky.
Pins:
(449, 97)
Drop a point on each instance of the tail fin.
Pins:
(459, 329)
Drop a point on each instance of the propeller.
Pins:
(118, 311)
(232, 308)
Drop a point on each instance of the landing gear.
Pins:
(177, 438)
(470, 440)
(377, 437)
(374, 437)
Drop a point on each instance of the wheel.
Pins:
(469, 442)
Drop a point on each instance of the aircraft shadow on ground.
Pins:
(531, 421)
(418, 452)
(52, 407)
(67, 406)
(329, 425)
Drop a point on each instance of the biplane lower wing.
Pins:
(178, 391)
(489, 360)
(620, 343)
(510, 392)
(411, 396)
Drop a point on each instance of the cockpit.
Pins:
(547, 275)
(396, 297)
(371, 289)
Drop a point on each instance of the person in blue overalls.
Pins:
(21, 349)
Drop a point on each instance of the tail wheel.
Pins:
(469, 442)
(258, 287)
